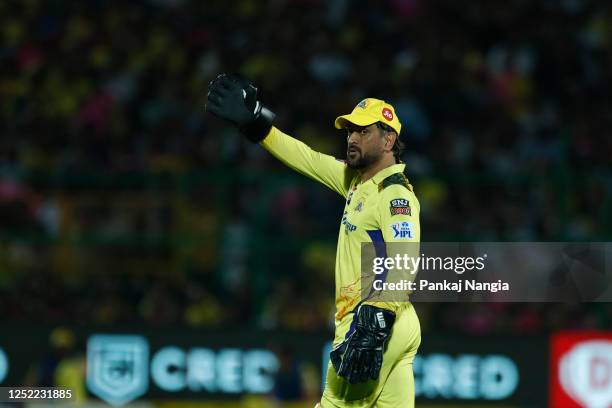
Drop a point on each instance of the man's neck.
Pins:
(371, 171)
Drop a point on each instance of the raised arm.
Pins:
(234, 98)
(323, 168)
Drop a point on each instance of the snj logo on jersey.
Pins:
(402, 230)
(386, 112)
(348, 227)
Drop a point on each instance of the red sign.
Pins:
(581, 370)
(386, 112)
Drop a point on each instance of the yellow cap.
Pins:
(370, 111)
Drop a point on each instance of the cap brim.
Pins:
(352, 119)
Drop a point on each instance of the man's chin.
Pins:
(353, 164)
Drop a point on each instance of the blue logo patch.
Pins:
(402, 230)
(362, 104)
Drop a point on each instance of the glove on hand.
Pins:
(234, 98)
(359, 358)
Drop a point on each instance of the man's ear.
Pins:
(390, 138)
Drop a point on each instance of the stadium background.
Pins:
(125, 209)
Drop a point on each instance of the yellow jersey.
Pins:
(380, 210)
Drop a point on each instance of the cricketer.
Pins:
(375, 341)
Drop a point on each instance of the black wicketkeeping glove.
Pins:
(234, 98)
(359, 358)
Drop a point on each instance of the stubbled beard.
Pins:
(360, 162)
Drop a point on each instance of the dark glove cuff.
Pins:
(376, 319)
(257, 129)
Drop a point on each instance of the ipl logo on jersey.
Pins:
(402, 230)
(117, 367)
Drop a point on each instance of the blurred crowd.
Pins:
(121, 201)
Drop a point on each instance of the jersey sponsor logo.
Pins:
(402, 230)
(387, 114)
(348, 227)
(359, 206)
(399, 206)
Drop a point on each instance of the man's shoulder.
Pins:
(396, 179)
(395, 189)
